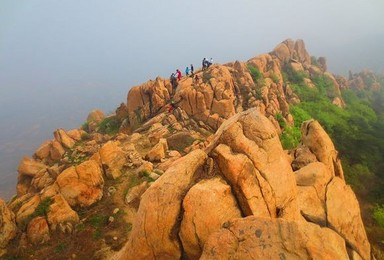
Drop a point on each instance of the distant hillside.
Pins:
(364, 53)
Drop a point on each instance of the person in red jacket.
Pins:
(178, 73)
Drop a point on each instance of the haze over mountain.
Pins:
(61, 59)
(230, 154)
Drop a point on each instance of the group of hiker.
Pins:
(189, 71)
(176, 76)
(206, 63)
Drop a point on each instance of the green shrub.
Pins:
(299, 115)
(98, 221)
(294, 77)
(60, 248)
(43, 207)
(275, 78)
(378, 215)
(280, 119)
(85, 127)
(325, 86)
(306, 93)
(41, 210)
(110, 125)
(256, 75)
(290, 137)
(356, 174)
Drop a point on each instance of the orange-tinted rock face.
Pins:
(38, 231)
(261, 238)
(111, 158)
(309, 213)
(7, 225)
(82, 185)
(215, 199)
(231, 194)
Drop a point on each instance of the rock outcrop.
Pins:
(154, 235)
(208, 180)
(255, 197)
(7, 226)
(224, 90)
(260, 238)
(111, 159)
(81, 185)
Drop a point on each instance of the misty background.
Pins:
(61, 59)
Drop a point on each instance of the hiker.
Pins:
(187, 71)
(196, 79)
(204, 63)
(178, 73)
(192, 70)
(210, 62)
(173, 81)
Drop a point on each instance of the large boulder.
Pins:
(42, 180)
(43, 150)
(26, 210)
(261, 238)
(312, 181)
(62, 137)
(253, 135)
(153, 233)
(158, 152)
(30, 167)
(343, 215)
(95, 116)
(145, 100)
(38, 231)
(111, 158)
(94, 119)
(292, 50)
(252, 191)
(215, 199)
(81, 185)
(61, 217)
(320, 144)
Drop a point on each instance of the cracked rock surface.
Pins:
(254, 206)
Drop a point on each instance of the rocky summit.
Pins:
(193, 172)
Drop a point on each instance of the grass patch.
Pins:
(146, 176)
(134, 180)
(41, 210)
(378, 215)
(60, 248)
(110, 126)
(292, 76)
(256, 75)
(275, 78)
(98, 221)
(77, 159)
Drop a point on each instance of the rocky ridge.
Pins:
(218, 153)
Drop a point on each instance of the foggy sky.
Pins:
(61, 59)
